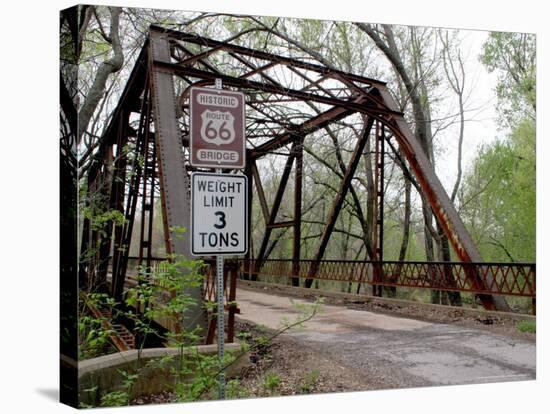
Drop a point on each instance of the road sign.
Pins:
(218, 214)
(217, 128)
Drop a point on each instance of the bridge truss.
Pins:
(144, 155)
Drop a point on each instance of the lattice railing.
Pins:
(510, 279)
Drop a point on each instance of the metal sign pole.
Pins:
(221, 322)
(220, 291)
(217, 137)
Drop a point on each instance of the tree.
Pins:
(499, 200)
(112, 65)
(513, 56)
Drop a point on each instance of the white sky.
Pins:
(482, 125)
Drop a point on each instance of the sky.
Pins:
(482, 126)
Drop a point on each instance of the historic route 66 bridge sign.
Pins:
(219, 206)
(217, 137)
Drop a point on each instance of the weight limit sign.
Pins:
(218, 214)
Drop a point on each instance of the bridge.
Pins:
(143, 156)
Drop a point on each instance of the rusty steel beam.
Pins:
(200, 56)
(258, 54)
(298, 182)
(371, 107)
(314, 124)
(313, 83)
(147, 201)
(277, 203)
(281, 224)
(339, 200)
(379, 206)
(248, 171)
(116, 200)
(173, 175)
(440, 202)
(259, 190)
(135, 181)
(255, 69)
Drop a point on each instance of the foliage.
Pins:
(94, 337)
(114, 399)
(100, 219)
(310, 381)
(120, 397)
(527, 326)
(513, 56)
(196, 374)
(499, 198)
(234, 390)
(272, 382)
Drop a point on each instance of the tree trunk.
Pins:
(112, 65)
(406, 220)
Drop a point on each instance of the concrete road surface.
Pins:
(400, 352)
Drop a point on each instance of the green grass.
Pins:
(526, 326)
(272, 381)
(310, 381)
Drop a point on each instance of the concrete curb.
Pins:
(101, 375)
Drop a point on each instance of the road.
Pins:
(400, 352)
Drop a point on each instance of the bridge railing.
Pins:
(510, 279)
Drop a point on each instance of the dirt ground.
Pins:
(282, 367)
(291, 362)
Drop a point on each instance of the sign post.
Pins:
(218, 201)
(221, 324)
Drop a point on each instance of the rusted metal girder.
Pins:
(147, 202)
(298, 181)
(440, 202)
(275, 89)
(123, 233)
(340, 197)
(379, 205)
(314, 124)
(173, 175)
(115, 188)
(259, 54)
(277, 202)
(259, 190)
(250, 177)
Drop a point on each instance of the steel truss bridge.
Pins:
(150, 123)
